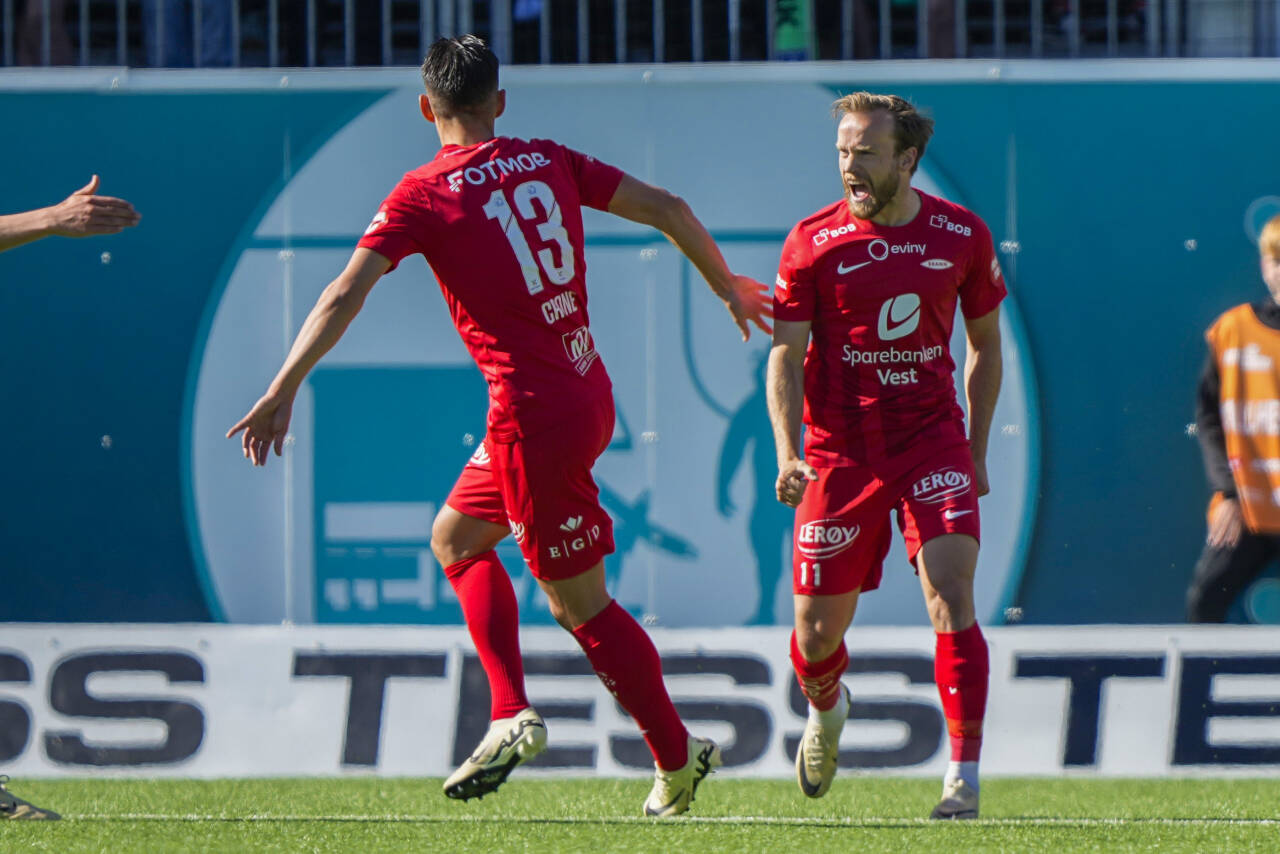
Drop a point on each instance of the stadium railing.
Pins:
(394, 32)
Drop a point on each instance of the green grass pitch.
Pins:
(862, 813)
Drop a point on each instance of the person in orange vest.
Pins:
(1238, 424)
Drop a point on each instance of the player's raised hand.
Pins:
(749, 302)
(83, 213)
(264, 427)
(793, 478)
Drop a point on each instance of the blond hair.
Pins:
(1269, 239)
(910, 128)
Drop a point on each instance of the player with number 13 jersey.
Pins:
(499, 220)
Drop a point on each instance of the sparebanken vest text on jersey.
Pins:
(500, 223)
(879, 376)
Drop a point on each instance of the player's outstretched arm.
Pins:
(983, 367)
(81, 214)
(267, 423)
(784, 387)
(747, 300)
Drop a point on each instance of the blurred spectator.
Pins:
(170, 24)
(942, 29)
(793, 30)
(526, 10)
(31, 33)
(1238, 420)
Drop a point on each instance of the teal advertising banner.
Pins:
(1123, 198)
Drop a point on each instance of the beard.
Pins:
(878, 194)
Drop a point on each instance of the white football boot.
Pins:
(508, 743)
(819, 749)
(673, 790)
(959, 801)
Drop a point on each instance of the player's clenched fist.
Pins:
(793, 477)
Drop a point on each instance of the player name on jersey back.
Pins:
(500, 223)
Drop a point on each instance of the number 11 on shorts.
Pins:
(804, 573)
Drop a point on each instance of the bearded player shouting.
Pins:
(864, 306)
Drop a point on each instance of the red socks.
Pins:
(489, 607)
(820, 680)
(961, 668)
(627, 662)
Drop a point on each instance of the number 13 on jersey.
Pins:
(549, 229)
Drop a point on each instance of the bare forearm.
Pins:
(322, 329)
(658, 208)
(982, 373)
(17, 229)
(688, 235)
(785, 395)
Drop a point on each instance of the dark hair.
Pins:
(462, 72)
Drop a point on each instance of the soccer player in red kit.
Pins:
(499, 219)
(864, 306)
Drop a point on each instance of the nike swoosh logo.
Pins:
(841, 269)
(662, 809)
(954, 514)
(810, 789)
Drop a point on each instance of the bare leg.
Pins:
(947, 565)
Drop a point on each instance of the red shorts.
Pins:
(541, 486)
(842, 524)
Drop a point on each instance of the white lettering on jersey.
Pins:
(559, 306)
(831, 233)
(891, 356)
(941, 221)
(880, 249)
(492, 170)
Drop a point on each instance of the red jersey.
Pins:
(879, 377)
(500, 223)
